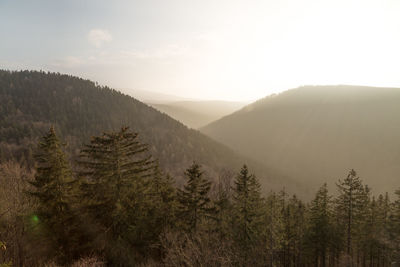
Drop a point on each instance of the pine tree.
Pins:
(53, 188)
(349, 201)
(371, 233)
(274, 225)
(222, 207)
(248, 208)
(365, 220)
(194, 198)
(115, 174)
(162, 200)
(395, 227)
(293, 221)
(384, 208)
(321, 233)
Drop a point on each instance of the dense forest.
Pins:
(315, 132)
(32, 101)
(118, 208)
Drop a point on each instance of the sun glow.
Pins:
(226, 49)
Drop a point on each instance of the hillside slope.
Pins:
(31, 101)
(196, 114)
(317, 133)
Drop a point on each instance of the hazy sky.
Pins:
(217, 49)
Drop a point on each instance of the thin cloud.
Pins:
(69, 62)
(98, 37)
(168, 51)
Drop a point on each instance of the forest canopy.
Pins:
(120, 209)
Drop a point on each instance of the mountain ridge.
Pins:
(31, 101)
(196, 114)
(317, 133)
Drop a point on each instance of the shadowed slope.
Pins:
(31, 101)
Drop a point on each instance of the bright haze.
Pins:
(225, 49)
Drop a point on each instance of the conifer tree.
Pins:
(350, 203)
(115, 172)
(384, 208)
(365, 220)
(395, 227)
(274, 225)
(222, 207)
(162, 201)
(248, 210)
(194, 198)
(371, 233)
(293, 221)
(53, 188)
(321, 231)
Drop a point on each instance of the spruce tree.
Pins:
(162, 200)
(53, 188)
(321, 233)
(394, 226)
(248, 210)
(366, 220)
(384, 207)
(293, 221)
(349, 201)
(222, 207)
(273, 221)
(115, 173)
(194, 198)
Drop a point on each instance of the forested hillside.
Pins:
(313, 133)
(31, 101)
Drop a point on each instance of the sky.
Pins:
(206, 49)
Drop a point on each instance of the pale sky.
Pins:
(206, 49)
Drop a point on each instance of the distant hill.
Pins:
(196, 114)
(31, 101)
(317, 133)
(153, 97)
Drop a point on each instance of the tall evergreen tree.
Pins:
(273, 219)
(194, 198)
(53, 187)
(293, 221)
(222, 203)
(321, 231)
(248, 210)
(162, 201)
(349, 201)
(394, 225)
(365, 218)
(384, 209)
(115, 172)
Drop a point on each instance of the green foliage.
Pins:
(194, 198)
(351, 201)
(222, 208)
(394, 224)
(53, 187)
(248, 210)
(322, 237)
(163, 200)
(115, 173)
(128, 212)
